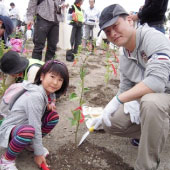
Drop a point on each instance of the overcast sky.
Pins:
(129, 5)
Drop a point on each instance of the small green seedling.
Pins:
(78, 116)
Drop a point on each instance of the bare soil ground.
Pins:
(100, 151)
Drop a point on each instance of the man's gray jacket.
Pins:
(149, 62)
(47, 9)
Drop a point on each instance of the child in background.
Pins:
(19, 68)
(33, 115)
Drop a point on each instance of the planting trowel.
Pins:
(85, 135)
(44, 167)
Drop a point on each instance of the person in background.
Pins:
(152, 13)
(101, 39)
(6, 29)
(75, 14)
(91, 17)
(19, 68)
(33, 115)
(46, 25)
(141, 108)
(3, 9)
(14, 14)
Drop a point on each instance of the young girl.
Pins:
(33, 115)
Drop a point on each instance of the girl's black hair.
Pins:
(54, 66)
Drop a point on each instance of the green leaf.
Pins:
(86, 89)
(82, 102)
(74, 122)
(76, 114)
(82, 73)
(73, 96)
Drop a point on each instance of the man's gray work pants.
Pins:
(153, 130)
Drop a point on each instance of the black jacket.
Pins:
(153, 12)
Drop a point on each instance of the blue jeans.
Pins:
(15, 22)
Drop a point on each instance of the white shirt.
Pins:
(91, 16)
(3, 9)
(14, 13)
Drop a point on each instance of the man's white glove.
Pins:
(109, 110)
(96, 122)
(133, 108)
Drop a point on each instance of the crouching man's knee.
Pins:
(154, 111)
(154, 106)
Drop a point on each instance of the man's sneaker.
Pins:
(31, 149)
(135, 142)
(7, 165)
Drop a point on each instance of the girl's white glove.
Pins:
(110, 109)
(133, 108)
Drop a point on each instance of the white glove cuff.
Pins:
(119, 99)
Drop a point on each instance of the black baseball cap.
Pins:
(12, 63)
(109, 16)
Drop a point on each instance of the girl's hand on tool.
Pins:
(39, 160)
(51, 106)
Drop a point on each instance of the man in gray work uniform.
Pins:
(46, 26)
(141, 108)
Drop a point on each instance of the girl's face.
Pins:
(2, 30)
(51, 82)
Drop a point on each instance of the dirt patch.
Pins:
(99, 95)
(86, 157)
(101, 151)
(65, 97)
(90, 66)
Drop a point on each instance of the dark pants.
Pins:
(76, 36)
(43, 30)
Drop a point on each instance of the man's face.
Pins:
(80, 3)
(12, 6)
(121, 32)
(91, 2)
